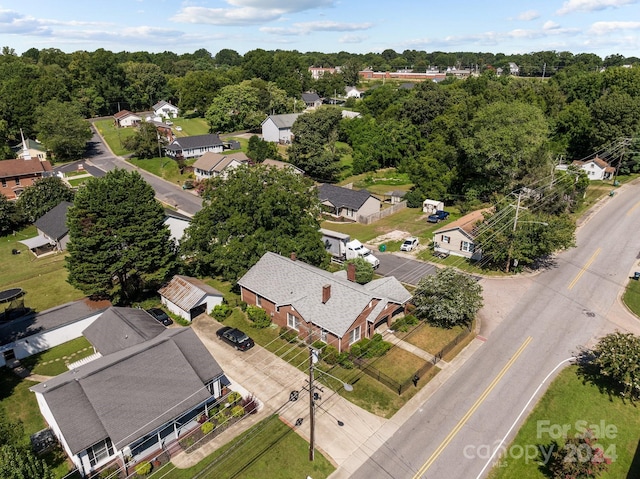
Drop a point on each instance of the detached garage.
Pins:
(189, 297)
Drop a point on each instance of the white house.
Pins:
(277, 128)
(189, 297)
(431, 206)
(211, 165)
(193, 146)
(148, 388)
(39, 332)
(352, 92)
(124, 118)
(596, 168)
(165, 110)
(177, 223)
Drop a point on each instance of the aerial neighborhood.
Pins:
(210, 263)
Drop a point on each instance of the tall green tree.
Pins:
(259, 150)
(146, 84)
(119, 244)
(63, 130)
(42, 196)
(9, 217)
(253, 211)
(448, 298)
(145, 142)
(17, 461)
(235, 108)
(314, 143)
(617, 357)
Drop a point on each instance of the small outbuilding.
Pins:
(431, 206)
(189, 297)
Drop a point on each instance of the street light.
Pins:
(313, 358)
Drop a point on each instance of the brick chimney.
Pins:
(326, 293)
(293, 256)
(351, 272)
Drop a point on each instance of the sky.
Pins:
(603, 27)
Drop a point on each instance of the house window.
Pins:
(446, 239)
(354, 335)
(17, 181)
(466, 246)
(258, 301)
(100, 451)
(4, 183)
(323, 335)
(293, 321)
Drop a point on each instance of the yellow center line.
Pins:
(633, 208)
(470, 412)
(584, 268)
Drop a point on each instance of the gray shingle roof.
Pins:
(284, 121)
(342, 197)
(119, 328)
(187, 292)
(197, 141)
(287, 282)
(54, 222)
(50, 319)
(132, 392)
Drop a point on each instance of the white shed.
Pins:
(431, 206)
(189, 297)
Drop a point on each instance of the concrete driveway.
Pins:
(406, 269)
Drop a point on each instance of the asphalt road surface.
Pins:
(406, 270)
(571, 304)
(99, 155)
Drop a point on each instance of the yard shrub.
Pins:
(243, 306)
(207, 427)
(258, 316)
(221, 311)
(237, 411)
(344, 361)
(330, 355)
(234, 397)
(250, 404)
(108, 472)
(143, 468)
(319, 345)
(289, 335)
(404, 324)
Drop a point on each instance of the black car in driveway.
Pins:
(235, 338)
(160, 316)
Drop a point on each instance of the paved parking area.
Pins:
(404, 268)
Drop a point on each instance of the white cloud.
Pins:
(304, 28)
(16, 23)
(591, 5)
(247, 12)
(352, 39)
(528, 15)
(603, 28)
(549, 25)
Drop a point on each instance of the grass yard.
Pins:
(566, 401)
(54, 361)
(399, 364)
(632, 296)
(270, 449)
(114, 136)
(430, 338)
(381, 181)
(164, 167)
(190, 126)
(43, 279)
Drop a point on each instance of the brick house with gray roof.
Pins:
(347, 203)
(330, 307)
(134, 402)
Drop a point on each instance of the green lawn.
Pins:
(567, 401)
(381, 181)
(43, 279)
(164, 167)
(54, 361)
(632, 296)
(114, 136)
(430, 338)
(190, 126)
(269, 449)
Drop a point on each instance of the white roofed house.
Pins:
(331, 307)
(165, 110)
(144, 390)
(211, 165)
(189, 297)
(277, 128)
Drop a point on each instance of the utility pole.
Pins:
(544, 69)
(312, 408)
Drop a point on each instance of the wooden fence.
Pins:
(365, 220)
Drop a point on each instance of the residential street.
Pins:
(99, 155)
(556, 312)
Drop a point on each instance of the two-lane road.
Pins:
(570, 305)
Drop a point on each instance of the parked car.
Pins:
(160, 316)
(235, 338)
(438, 216)
(410, 244)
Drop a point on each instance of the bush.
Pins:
(330, 355)
(250, 404)
(143, 468)
(258, 316)
(237, 411)
(221, 312)
(108, 472)
(207, 427)
(344, 361)
(234, 397)
(403, 324)
(289, 335)
(243, 306)
(319, 345)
